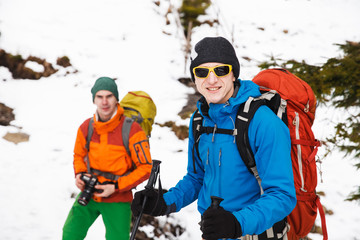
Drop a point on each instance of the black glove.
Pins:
(155, 204)
(218, 223)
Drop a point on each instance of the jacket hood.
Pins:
(243, 90)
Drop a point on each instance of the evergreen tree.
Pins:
(190, 10)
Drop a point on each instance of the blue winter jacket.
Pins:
(221, 171)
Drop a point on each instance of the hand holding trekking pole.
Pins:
(218, 223)
(149, 186)
(215, 204)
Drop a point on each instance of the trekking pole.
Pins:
(155, 170)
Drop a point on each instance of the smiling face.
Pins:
(106, 104)
(215, 89)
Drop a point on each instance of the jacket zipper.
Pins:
(207, 157)
(219, 183)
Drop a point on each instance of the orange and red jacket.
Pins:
(108, 154)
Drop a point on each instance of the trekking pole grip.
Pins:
(155, 170)
(215, 202)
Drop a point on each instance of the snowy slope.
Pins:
(126, 40)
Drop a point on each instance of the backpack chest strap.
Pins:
(108, 175)
(213, 130)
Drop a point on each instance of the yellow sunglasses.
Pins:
(219, 70)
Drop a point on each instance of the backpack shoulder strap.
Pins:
(90, 133)
(87, 145)
(126, 127)
(243, 118)
(197, 124)
(196, 129)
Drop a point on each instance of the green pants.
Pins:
(116, 217)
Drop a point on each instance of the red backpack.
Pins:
(299, 101)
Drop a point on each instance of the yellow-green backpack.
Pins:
(140, 107)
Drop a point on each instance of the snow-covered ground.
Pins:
(130, 41)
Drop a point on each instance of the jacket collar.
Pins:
(104, 127)
(242, 91)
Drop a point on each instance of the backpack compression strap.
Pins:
(137, 118)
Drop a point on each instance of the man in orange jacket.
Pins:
(108, 160)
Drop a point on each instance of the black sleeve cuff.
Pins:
(170, 209)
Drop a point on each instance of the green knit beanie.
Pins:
(105, 83)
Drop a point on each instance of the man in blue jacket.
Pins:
(218, 170)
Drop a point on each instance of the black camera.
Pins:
(90, 182)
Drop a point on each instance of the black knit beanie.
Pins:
(105, 83)
(214, 49)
